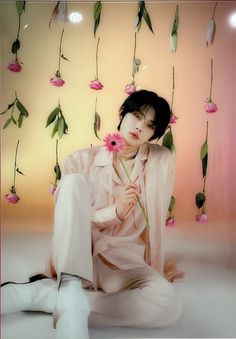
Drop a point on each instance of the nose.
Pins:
(138, 129)
(139, 125)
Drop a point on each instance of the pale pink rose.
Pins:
(130, 88)
(12, 198)
(170, 222)
(202, 218)
(53, 188)
(173, 119)
(95, 84)
(210, 107)
(57, 81)
(14, 66)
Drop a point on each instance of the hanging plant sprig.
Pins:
(97, 121)
(210, 106)
(174, 32)
(97, 10)
(168, 140)
(57, 171)
(200, 198)
(60, 126)
(15, 65)
(96, 84)
(57, 79)
(22, 113)
(171, 221)
(60, 13)
(211, 28)
(136, 62)
(143, 14)
(12, 197)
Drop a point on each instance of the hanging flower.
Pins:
(12, 197)
(60, 12)
(15, 66)
(210, 106)
(60, 125)
(57, 80)
(171, 222)
(202, 218)
(143, 13)
(114, 143)
(130, 88)
(96, 84)
(173, 119)
(211, 28)
(53, 188)
(23, 113)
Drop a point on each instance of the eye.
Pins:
(151, 126)
(138, 115)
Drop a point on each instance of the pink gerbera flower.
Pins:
(114, 142)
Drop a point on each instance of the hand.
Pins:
(127, 199)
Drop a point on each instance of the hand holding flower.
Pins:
(127, 199)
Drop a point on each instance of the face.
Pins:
(138, 127)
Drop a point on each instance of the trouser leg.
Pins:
(71, 245)
(149, 302)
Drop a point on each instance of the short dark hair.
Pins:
(149, 99)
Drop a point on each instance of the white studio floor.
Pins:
(208, 290)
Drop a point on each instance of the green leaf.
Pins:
(97, 15)
(173, 42)
(168, 141)
(61, 127)
(20, 6)
(200, 199)
(8, 107)
(171, 205)
(7, 123)
(204, 150)
(55, 128)
(22, 109)
(176, 22)
(147, 19)
(204, 166)
(65, 127)
(139, 20)
(13, 120)
(15, 46)
(17, 170)
(57, 171)
(63, 57)
(55, 11)
(20, 120)
(97, 124)
(52, 116)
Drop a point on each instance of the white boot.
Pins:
(40, 295)
(72, 311)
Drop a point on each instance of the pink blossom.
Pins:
(53, 188)
(170, 222)
(12, 198)
(173, 119)
(210, 107)
(14, 66)
(202, 218)
(130, 88)
(114, 142)
(95, 84)
(57, 81)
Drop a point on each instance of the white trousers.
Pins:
(139, 297)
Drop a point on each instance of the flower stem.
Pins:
(140, 204)
(97, 58)
(213, 15)
(134, 56)
(59, 57)
(173, 89)
(14, 179)
(211, 78)
(57, 151)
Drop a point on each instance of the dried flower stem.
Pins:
(134, 56)
(97, 59)
(211, 78)
(59, 56)
(173, 87)
(213, 15)
(204, 180)
(15, 166)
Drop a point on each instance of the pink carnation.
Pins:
(57, 81)
(202, 218)
(170, 222)
(95, 84)
(14, 66)
(130, 88)
(12, 198)
(210, 107)
(173, 119)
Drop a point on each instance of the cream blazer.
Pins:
(96, 162)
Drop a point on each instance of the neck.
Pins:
(129, 152)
